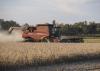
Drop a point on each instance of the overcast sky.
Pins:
(41, 11)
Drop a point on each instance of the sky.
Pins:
(43, 11)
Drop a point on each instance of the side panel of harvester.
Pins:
(38, 33)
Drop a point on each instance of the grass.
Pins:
(20, 53)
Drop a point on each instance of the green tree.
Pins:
(91, 28)
(5, 25)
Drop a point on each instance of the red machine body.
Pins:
(40, 33)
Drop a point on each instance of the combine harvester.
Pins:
(40, 33)
(44, 33)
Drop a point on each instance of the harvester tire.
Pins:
(45, 40)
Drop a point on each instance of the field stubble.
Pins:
(21, 53)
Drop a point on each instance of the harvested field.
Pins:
(21, 53)
(92, 40)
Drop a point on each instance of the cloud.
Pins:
(35, 11)
(71, 6)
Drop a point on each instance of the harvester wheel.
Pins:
(28, 40)
(45, 39)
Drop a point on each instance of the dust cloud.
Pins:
(14, 36)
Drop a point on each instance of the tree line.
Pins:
(5, 25)
(78, 28)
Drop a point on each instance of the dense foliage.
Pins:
(5, 25)
(80, 28)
